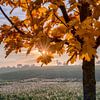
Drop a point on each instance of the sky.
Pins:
(21, 58)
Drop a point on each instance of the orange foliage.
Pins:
(44, 27)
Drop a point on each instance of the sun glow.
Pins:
(44, 52)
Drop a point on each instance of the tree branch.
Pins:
(65, 14)
(84, 11)
(67, 19)
(58, 40)
(11, 22)
(60, 20)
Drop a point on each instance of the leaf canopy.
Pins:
(47, 28)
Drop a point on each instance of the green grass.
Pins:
(45, 91)
(44, 96)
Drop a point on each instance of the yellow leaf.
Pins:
(73, 6)
(87, 52)
(45, 59)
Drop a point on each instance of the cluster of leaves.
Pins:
(46, 28)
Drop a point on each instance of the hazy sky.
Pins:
(13, 58)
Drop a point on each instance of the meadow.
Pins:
(58, 83)
(43, 90)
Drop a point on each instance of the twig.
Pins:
(11, 22)
(60, 20)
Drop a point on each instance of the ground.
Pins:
(58, 83)
(43, 89)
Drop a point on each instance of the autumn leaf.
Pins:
(45, 59)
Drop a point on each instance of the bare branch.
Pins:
(11, 21)
(60, 20)
(65, 14)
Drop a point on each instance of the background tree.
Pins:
(56, 26)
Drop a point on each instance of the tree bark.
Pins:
(89, 83)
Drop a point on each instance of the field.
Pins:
(43, 90)
(65, 72)
(57, 83)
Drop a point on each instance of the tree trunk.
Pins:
(89, 83)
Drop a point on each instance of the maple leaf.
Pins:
(45, 59)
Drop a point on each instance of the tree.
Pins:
(56, 26)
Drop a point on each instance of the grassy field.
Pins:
(43, 90)
(58, 83)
